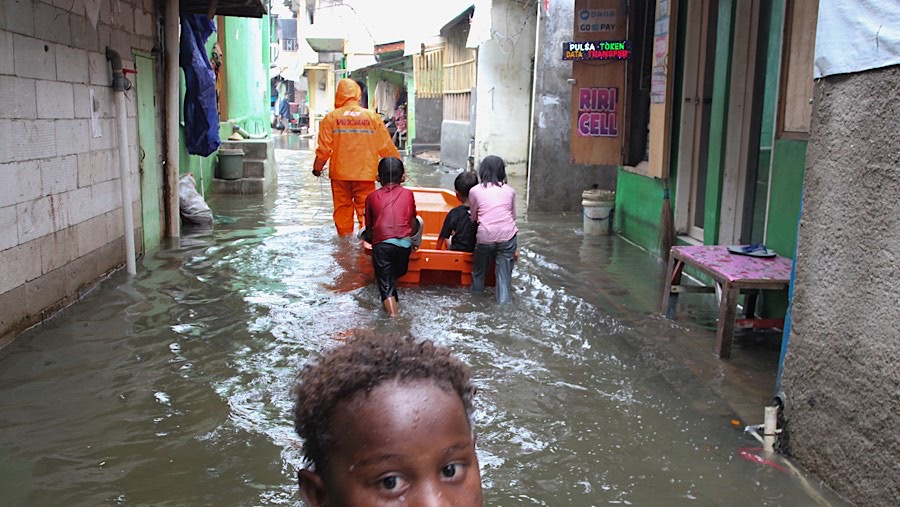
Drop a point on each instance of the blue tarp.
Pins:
(201, 119)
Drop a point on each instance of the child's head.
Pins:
(492, 170)
(463, 183)
(386, 417)
(390, 170)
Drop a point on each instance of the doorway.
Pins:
(148, 155)
(697, 90)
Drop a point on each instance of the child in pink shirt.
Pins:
(492, 205)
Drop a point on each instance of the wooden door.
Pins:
(599, 85)
(150, 167)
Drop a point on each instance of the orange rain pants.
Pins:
(350, 197)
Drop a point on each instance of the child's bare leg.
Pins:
(390, 306)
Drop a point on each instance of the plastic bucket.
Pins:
(231, 164)
(598, 211)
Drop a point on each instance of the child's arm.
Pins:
(446, 231)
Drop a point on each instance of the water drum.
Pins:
(231, 164)
(598, 207)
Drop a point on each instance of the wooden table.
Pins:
(732, 273)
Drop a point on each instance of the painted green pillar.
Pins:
(246, 54)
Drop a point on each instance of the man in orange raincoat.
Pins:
(354, 139)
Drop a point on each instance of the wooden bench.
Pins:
(733, 274)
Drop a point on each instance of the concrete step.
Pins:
(254, 168)
(252, 148)
(243, 186)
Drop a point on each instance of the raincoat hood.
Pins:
(347, 90)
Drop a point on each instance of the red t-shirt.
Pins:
(390, 211)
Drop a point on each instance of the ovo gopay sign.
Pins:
(596, 20)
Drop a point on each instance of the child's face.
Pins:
(403, 444)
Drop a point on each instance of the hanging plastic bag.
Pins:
(193, 208)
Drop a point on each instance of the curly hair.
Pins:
(366, 361)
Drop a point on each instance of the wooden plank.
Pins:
(596, 125)
(759, 323)
(456, 64)
(685, 289)
(800, 43)
(693, 65)
(661, 88)
(725, 324)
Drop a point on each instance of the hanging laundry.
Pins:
(201, 119)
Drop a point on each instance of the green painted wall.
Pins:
(247, 84)
(788, 167)
(203, 168)
(638, 207)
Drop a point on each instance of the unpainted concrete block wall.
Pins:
(505, 75)
(554, 182)
(61, 221)
(842, 372)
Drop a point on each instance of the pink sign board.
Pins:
(597, 110)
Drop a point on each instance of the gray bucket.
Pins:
(598, 211)
(231, 164)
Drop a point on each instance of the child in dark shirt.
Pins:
(458, 224)
(391, 218)
(387, 420)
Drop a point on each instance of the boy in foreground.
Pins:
(385, 420)
(458, 225)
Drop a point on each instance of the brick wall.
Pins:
(61, 221)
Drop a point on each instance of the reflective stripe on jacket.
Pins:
(354, 138)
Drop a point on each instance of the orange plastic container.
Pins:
(428, 266)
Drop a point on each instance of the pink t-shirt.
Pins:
(494, 208)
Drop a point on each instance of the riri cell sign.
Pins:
(597, 111)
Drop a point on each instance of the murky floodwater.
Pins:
(173, 388)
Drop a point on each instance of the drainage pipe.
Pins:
(120, 84)
(173, 216)
(770, 424)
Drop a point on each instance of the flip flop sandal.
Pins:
(753, 250)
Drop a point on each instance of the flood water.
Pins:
(173, 387)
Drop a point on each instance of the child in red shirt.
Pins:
(391, 220)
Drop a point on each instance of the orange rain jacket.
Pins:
(354, 138)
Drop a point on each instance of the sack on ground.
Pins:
(193, 208)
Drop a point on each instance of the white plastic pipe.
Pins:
(125, 179)
(770, 424)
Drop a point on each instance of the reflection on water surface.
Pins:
(173, 388)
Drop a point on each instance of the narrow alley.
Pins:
(173, 387)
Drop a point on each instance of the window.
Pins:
(795, 106)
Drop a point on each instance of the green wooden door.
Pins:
(151, 169)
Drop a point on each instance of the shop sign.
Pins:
(596, 20)
(597, 110)
(597, 50)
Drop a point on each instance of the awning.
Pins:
(237, 8)
(326, 44)
(288, 66)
